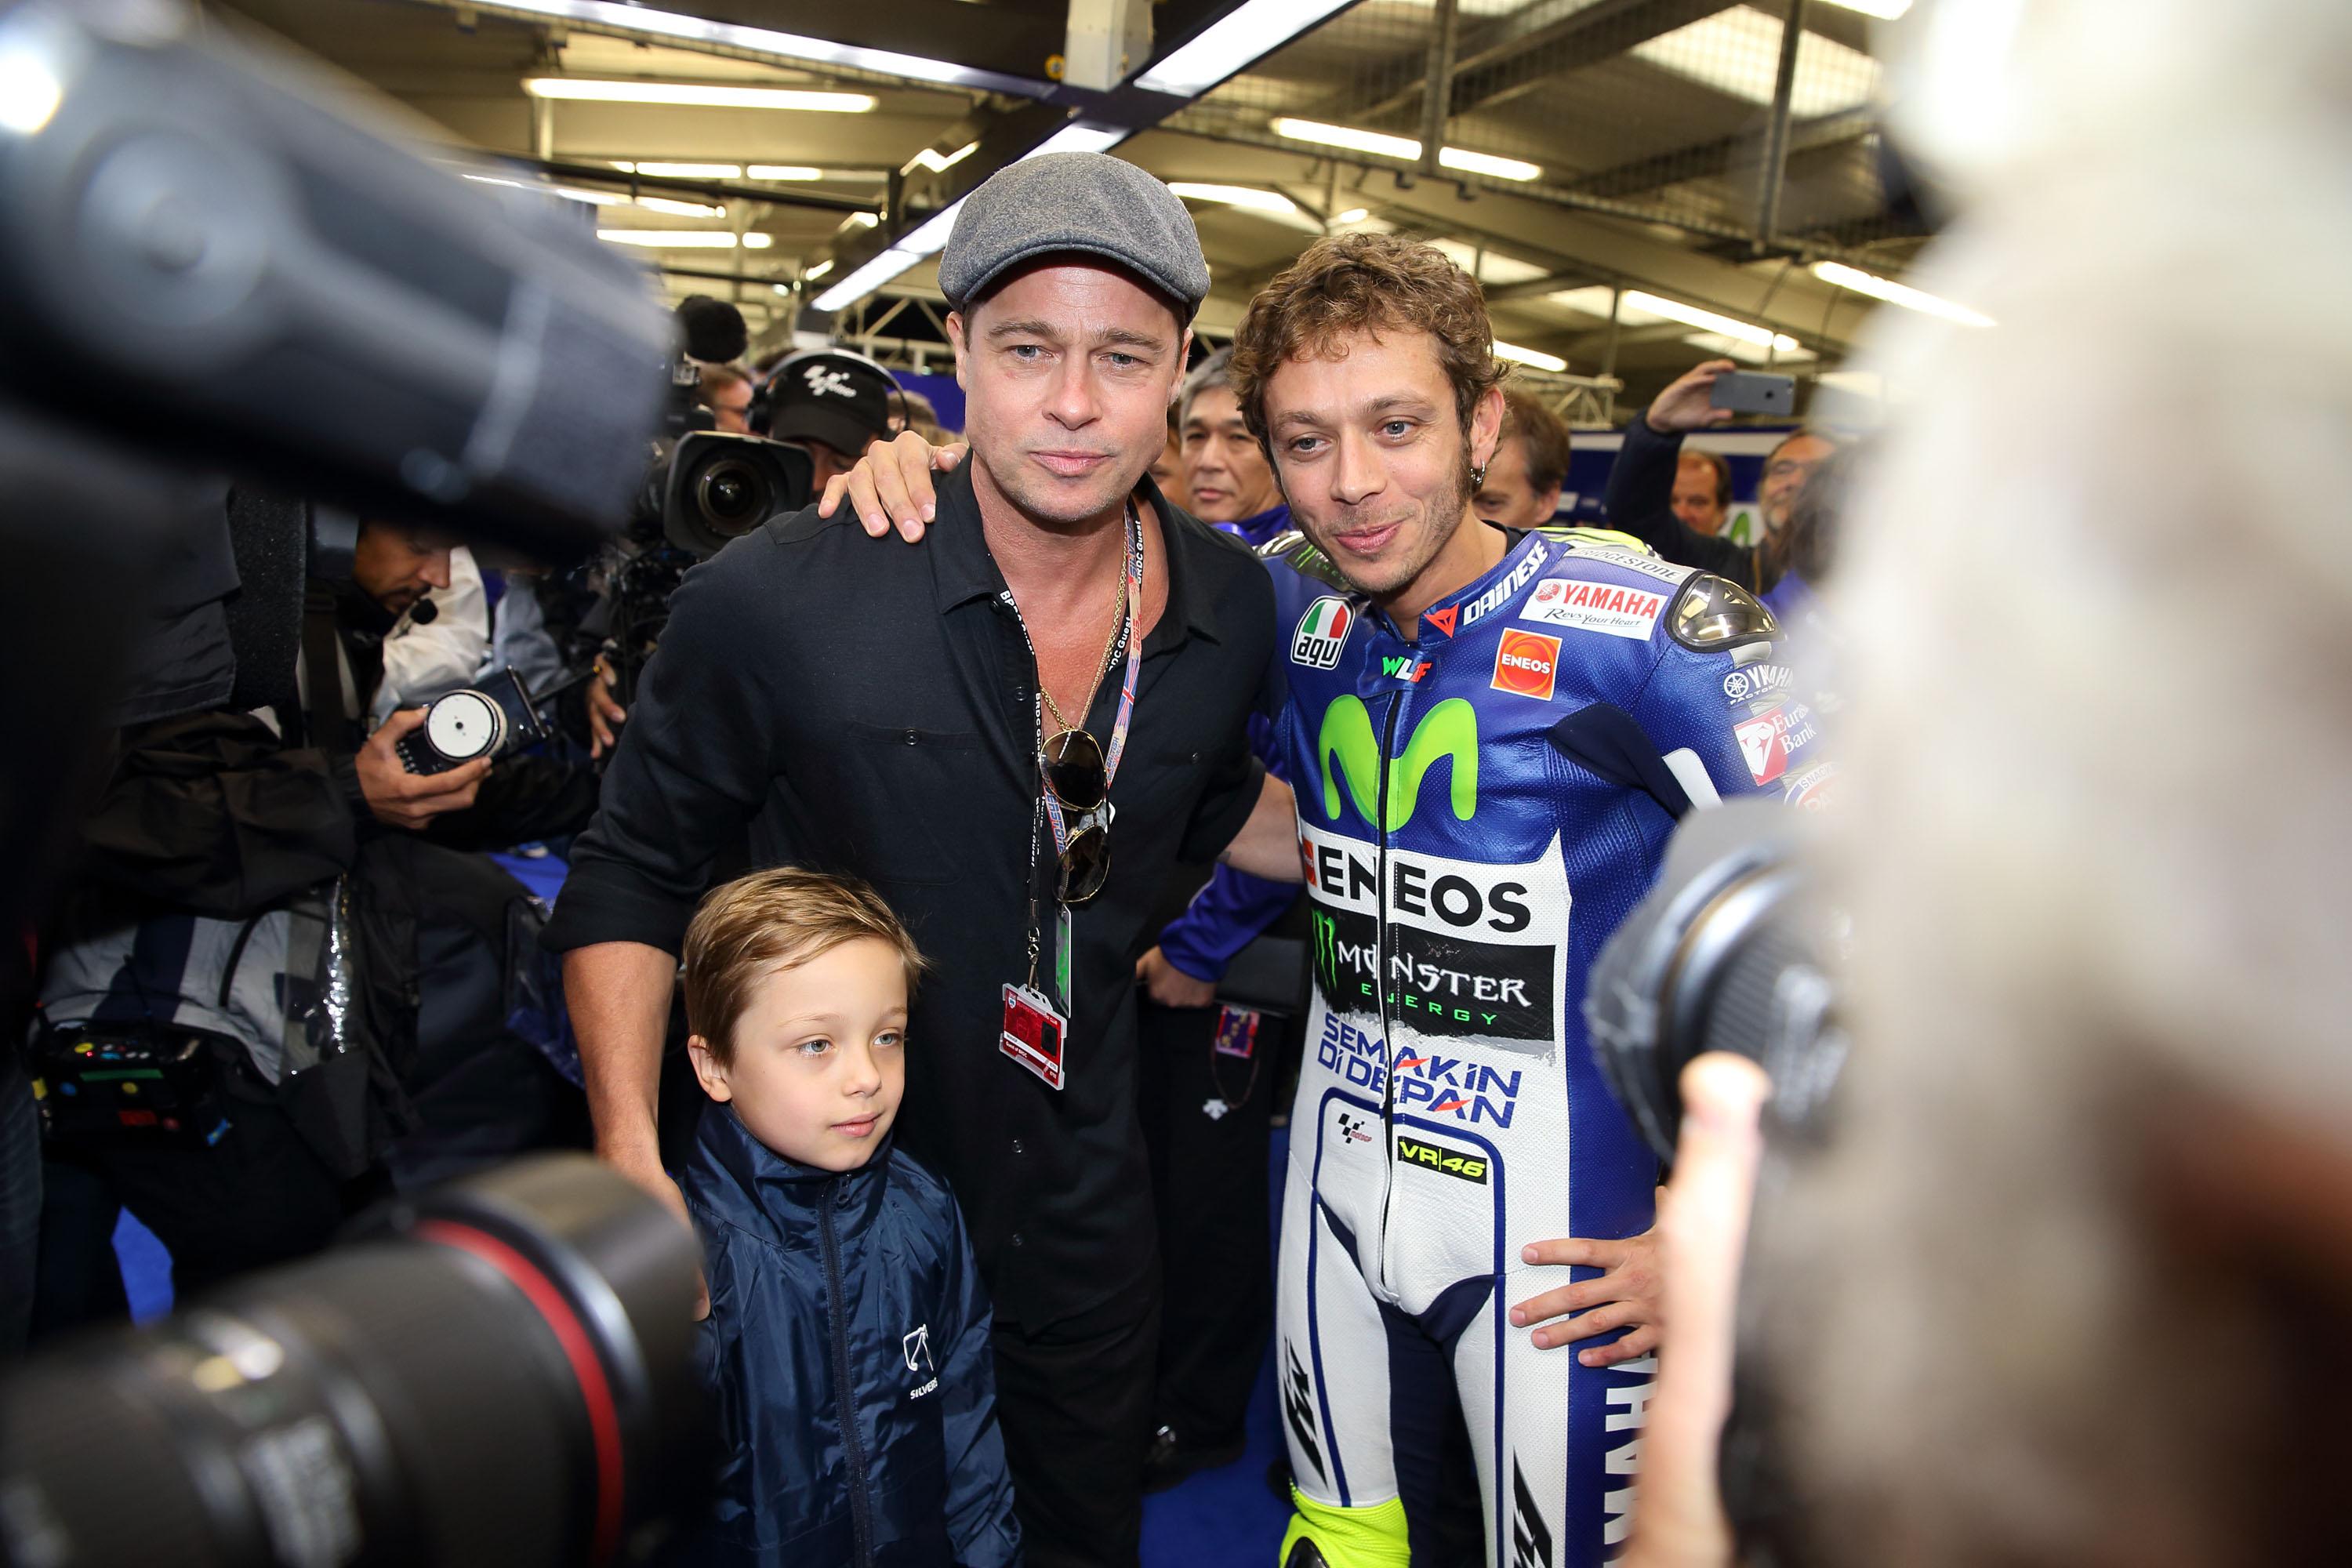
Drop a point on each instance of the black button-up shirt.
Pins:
(869, 707)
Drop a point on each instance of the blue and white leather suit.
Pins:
(1478, 809)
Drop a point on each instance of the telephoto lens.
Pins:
(502, 1373)
(1730, 951)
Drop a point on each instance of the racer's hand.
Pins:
(398, 799)
(1704, 1220)
(1171, 986)
(893, 481)
(605, 714)
(649, 1175)
(1686, 404)
(1627, 1295)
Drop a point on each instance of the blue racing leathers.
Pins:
(1478, 807)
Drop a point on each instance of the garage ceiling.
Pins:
(1595, 148)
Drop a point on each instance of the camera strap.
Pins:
(325, 725)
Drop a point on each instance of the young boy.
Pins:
(848, 1326)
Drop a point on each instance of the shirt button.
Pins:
(1015, 1238)
(1016, 1146)
(911, 738)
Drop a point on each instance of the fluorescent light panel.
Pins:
(1885, 10)
(1079, 139)
(1247, 196)
(671, 238)
(1493, 267)
(1353, 214)
(1247, 34)
(638, 19)
(1895, 293)
(782, 171)
(1405, 148)
(697, 95)
(676, 208)
(816, 273)
(682, 171)
(1722, 347)
(1535, 357)
(1708, 320)
(866, 280)
(940, 163)
(930, 236)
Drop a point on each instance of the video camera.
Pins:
(213, 265)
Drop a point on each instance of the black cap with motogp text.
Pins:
(830, 395)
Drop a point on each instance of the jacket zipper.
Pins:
(1381, 982)
(845, 1391)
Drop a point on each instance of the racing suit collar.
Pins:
(1443, 619)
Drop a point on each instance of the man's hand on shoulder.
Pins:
(398, 799)
(893, 481)
(1687, 404)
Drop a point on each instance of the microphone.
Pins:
(714, 329)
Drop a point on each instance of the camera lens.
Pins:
(732, 496)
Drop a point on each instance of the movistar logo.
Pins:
(1448, 730)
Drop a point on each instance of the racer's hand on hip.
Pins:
(1171, 986)
(892, 481)
(1628, 1295)
(1704, 1220)
(1688, 403)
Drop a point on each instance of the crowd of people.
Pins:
(992, 854)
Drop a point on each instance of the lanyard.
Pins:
(1049, 806)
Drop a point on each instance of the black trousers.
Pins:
(1205, 1119)
(1074, 1398)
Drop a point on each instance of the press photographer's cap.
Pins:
(825, 394)
(1090, 204)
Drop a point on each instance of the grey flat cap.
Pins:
(1091, 203)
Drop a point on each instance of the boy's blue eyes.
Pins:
(888, 1039)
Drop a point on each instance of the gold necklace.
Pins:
(1117, 620)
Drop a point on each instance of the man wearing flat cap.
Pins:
(1013, 733)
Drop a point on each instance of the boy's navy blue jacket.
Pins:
(848, 1340)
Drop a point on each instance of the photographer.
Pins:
(1639, 498)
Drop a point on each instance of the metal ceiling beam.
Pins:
(716, 191)
(1540, 41)
(1705, 160)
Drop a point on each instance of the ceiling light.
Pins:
(29, 90)
(1535, 357)
(638, 20)
(699, 95)
(1778, 352)
(1243, 36)
(1895, 293)
(682, 170)
(1348, 136)
(1235, 196)
(569, 193)
(1691, 315)
(783, 171)
(755, 240)
(1404, 148)
(675, 209)
(1353, 214)
(1491, 268)
(862, 220)
(819, 271)
(930, 235)
(1885, 10)
(866, 280)
(1080, 139)
(1487, 164)
(671, 238)
(939, 162)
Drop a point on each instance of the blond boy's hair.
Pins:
(776, 919)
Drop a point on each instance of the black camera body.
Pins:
(722, 486)
(492, 720)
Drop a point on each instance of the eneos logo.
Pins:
(1322, 632)
(1526, 663)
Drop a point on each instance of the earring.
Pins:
(1477, 476)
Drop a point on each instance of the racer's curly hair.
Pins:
(1347, 283)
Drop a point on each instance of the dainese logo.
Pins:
(1527, 663)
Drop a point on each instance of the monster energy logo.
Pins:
(1448, 730)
